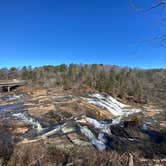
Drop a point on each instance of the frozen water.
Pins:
(29, 120)
(97, 143)
(112, 105)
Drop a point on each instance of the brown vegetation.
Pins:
(135, 85)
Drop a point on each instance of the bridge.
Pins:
(8, 85)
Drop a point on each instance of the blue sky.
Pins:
(51, 32)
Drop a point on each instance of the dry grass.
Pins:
(42, 155)
(49, 154)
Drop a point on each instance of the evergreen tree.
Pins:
(13, 73)
(25, 73)
(111, 80)
(137, 90)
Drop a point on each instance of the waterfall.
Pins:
(113, 106)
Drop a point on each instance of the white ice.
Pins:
(97, 124)
(29, 120)
(112, 105)
(94, 141)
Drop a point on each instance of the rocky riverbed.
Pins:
(54, 117)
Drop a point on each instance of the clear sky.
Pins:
(51, 32)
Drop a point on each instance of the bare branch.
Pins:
(162, 29)
(158, 4)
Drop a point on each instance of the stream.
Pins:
(14, 109)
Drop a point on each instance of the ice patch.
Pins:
(52, 132)
(11, 97)
(145, 126)
(102, 125)
(112, 105)
(60, 130)
(14, 97)
(114, 109)
(10, 107)
(97, 124)
(116, 120)
(29, 120)
(94, 141)
(102, 138)
(109, 98)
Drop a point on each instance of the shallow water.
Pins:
(28, 120)
(11, 107)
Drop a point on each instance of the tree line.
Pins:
(133, 84)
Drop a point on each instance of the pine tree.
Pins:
(13, 73)
(137, 90)
(101, 80)
(111, 80)
(25, 73)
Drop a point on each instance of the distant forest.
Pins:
(136, 85)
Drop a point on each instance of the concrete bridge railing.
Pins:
(11, 84)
